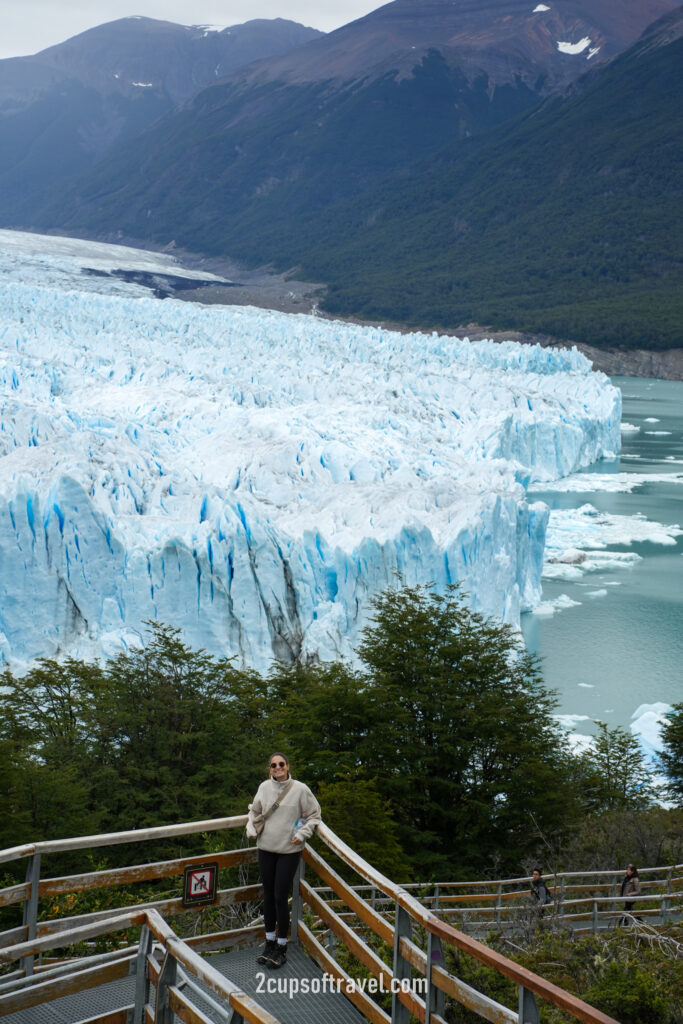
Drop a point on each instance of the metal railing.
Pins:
(173, 966)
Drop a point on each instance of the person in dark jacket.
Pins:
(630, 886)
(540, 896)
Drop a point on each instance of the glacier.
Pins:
(253, 477)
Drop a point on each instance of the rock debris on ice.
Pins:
(254, 477)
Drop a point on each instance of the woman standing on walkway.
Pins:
(630, 887)
(282, 817)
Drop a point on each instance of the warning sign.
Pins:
(200, 884)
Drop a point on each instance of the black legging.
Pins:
(277, 874)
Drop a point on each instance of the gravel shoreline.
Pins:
(270, 291)
(267, 289)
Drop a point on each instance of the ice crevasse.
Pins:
(254, 478)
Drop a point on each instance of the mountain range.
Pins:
(63, 109)
(566, 221)
(434, 163)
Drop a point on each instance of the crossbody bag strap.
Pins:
(274, 807)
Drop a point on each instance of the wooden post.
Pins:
(30, 917)
(437, 891)
(296, 901)
(163, 1013)
(666, 899)
(499, 903)
(435, 998)
(528, 1007)
(594, 918)
(400, 1014)
(141, 978)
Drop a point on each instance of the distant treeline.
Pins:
(439, 757)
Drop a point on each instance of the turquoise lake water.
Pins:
(619, 642)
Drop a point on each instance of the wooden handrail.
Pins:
(138, 835)
(14, 894)
(203, 970)
(370, 1010)
(520, 975)
(361, 909)
(17, 852)
(69, 931)
(48, 973)
(224, 897)
(550, 876)
(140, 872)
(237, 821)
(162, 931)
(68, 937)
(552, 880)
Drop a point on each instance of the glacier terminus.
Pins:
(252, 477)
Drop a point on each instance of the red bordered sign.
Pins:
(200, 883)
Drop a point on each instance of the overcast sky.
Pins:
(27, 26)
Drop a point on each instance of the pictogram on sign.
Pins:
(199, 884)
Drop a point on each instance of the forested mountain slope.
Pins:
(568, 222)
(297, 133)
(62, 109)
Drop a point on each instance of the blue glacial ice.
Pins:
(254, 477)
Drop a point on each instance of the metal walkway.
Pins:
(305, 1007)
(240, 967)
(80, 1007)
(162, 978)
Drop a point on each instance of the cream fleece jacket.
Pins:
(299, 807)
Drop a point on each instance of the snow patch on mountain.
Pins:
(255, 478)
(575, 48)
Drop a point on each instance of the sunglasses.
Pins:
(278, 764)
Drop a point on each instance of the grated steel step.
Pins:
(323, 1007)
(317, 1007)
(79, 1006)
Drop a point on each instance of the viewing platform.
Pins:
(143, 972)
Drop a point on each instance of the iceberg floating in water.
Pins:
(646, 726)
(254, 477)
(578, 541)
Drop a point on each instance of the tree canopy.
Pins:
(438, 753)
(671, 756)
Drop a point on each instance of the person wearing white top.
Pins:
(282, 816)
